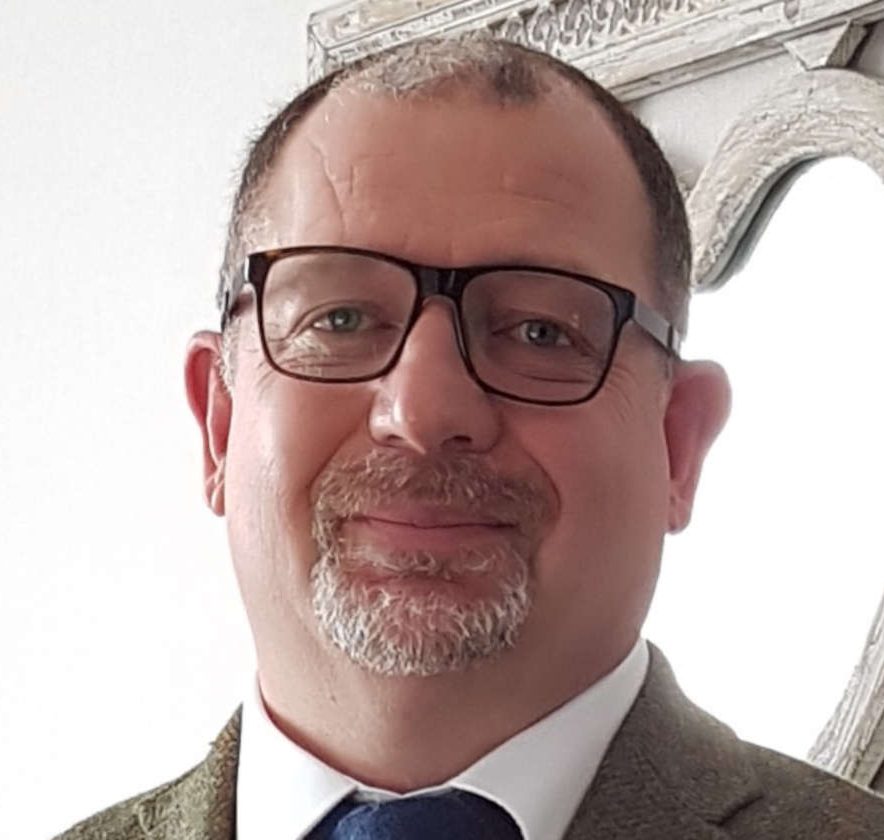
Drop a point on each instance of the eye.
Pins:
(542, 334)
(341, 319)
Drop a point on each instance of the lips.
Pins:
(423, 528)
(430, 518)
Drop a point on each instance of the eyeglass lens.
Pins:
(533, 335)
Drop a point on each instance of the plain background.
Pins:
(123, 645)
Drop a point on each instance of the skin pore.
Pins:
(454, 181)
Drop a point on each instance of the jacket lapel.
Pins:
(672, 772)
(201, 805)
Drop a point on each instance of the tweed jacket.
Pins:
(672, 772)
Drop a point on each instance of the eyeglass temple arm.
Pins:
(232, 293)
(657, 327)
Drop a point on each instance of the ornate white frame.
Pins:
(811, 115)
(634, 47)
(642, 48)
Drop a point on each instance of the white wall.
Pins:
(122, 641)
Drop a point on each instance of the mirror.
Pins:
(766, 600)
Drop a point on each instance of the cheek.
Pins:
(283, 434)
(611, 478)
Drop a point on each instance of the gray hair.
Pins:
(505, 74)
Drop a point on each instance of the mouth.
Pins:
(418, 516)
(428, 529)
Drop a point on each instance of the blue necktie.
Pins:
(453, 815)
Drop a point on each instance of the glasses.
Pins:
(536, 335)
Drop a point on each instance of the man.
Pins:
(448, 427)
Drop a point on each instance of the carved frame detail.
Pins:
(633, 47)
(815, 114)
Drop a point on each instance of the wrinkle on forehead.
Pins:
(457, 182)
(340, 184)
(308, 195)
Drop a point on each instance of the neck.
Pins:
(406, 733)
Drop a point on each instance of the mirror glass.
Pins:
(766, 600)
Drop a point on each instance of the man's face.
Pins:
(451, 182)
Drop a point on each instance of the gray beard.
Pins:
(388, 631)
(423, 630)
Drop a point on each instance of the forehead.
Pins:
(458, 180)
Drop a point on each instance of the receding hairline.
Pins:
(540, 86)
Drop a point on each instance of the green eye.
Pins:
(343, 319)
(541, 333)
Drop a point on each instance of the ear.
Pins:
(211, 405)
(699, 404)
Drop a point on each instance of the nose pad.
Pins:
(456, 326)
(430, 303)
(430, 400)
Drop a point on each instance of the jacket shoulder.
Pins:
(199, 803)
(674, 772)
(121, 821)
(801, 801)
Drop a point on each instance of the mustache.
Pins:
(453, 481)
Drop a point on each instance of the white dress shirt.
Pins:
(539, 775)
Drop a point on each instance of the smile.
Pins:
(416, 530)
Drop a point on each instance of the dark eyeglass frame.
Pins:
(450, 283)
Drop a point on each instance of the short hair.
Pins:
(506, 73)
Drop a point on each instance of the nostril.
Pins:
(459, 442)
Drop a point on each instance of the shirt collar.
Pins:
(283, 790)
(541, 774)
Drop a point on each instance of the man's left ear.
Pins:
(699, 404)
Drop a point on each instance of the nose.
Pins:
(429, 402)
